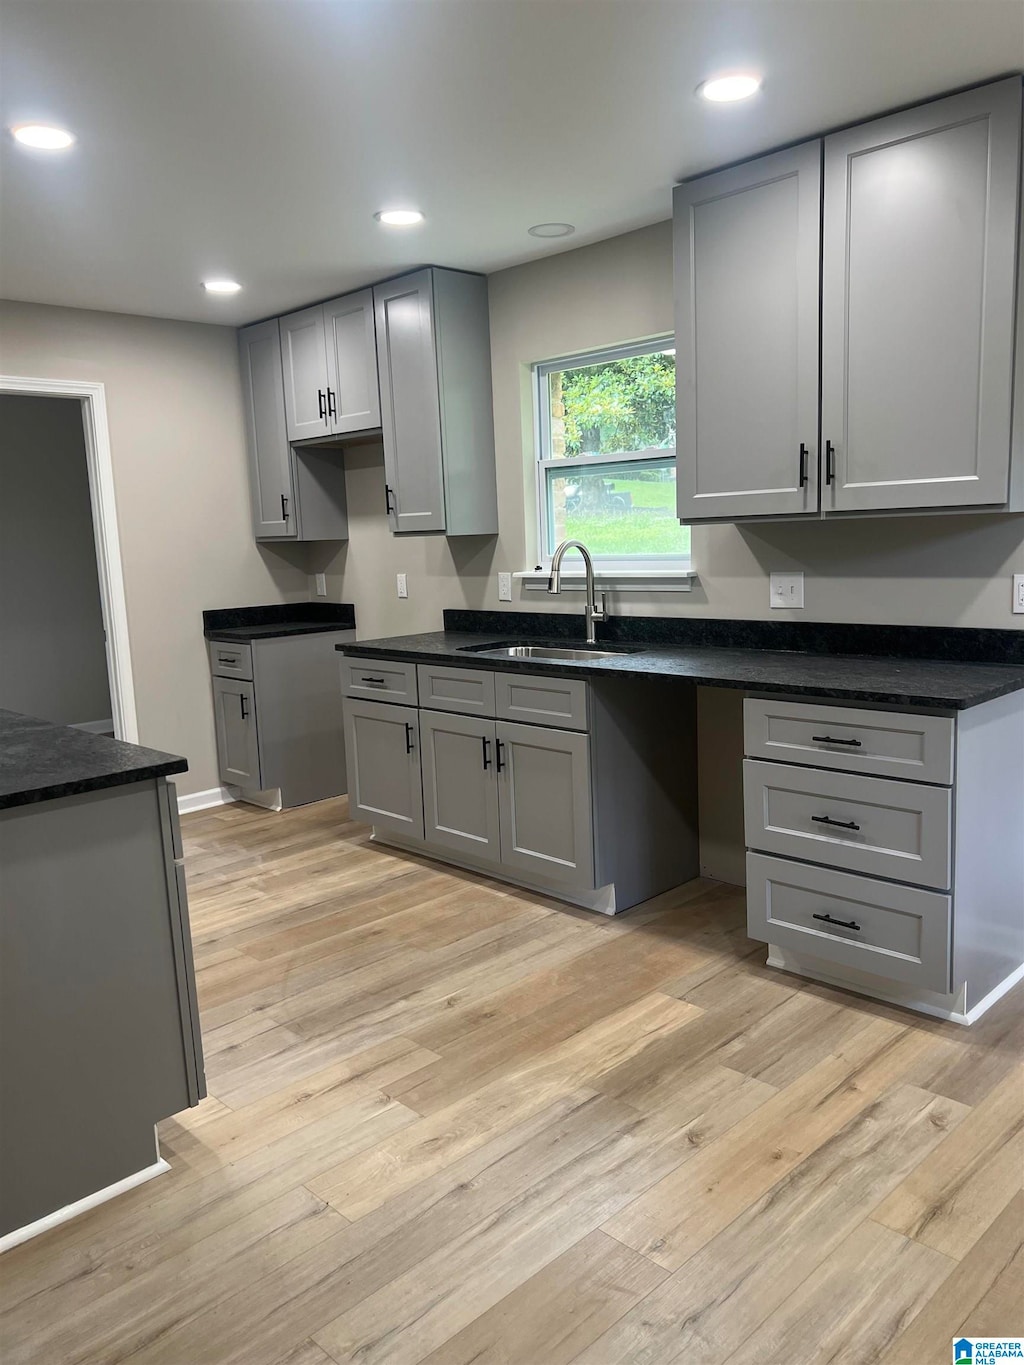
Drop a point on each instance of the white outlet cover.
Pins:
(504, 587)
(403, 585)
(321, 585)
(786, 590)
(1018, 592)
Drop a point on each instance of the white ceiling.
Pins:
(256, 138)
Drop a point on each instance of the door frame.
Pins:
(91, 397)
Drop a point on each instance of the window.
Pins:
(606, 445)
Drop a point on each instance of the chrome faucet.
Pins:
(595, 608)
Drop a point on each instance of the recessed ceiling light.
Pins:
(221, 286)
(43, 137)
(722, 89)
(551, 230)
(399, 217)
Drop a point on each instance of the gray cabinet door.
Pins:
(237, 746)
(544, 803)
(917, 304)
(353, 396)
(383, 760)
(747, 251)
(460, 795)
(270, 471)
(304, 363)
(410, 414)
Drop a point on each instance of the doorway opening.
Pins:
(64, 653)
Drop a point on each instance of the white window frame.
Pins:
(642, 569)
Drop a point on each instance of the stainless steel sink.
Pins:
(552, 653)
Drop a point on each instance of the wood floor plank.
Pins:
(952, 1198)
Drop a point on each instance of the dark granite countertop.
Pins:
(943, 683)
(40, 761)
(238, 625)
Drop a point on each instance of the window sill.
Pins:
(614, 580)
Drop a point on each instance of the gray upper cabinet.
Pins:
(919, 265)
(238, 755)
(270, 468)
(353, 396)
(383, 758)
(746, 247)
(544, 800)
(433, 357)
(460, 797)
(304, 361)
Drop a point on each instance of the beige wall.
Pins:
(177, 442)
(937, 570)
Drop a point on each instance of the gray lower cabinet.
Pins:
(433, 357)
(238, 756)
(460, 797)
(384, 784)
(544, 799)
(279, 725)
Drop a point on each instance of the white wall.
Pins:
(175, 412)
(53, 659)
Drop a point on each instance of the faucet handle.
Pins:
(600, 612)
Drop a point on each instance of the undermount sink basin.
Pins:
(554, 653)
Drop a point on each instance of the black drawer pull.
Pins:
(831, 739)
(379, 681)
(843, 923)
(228, 659)
(837, 824)
(408, 738)
(487, 753)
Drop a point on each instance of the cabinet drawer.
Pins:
(899, 932)
(230, 661)
(466, 690)
(890, 829)
(385, 679)
(544, 701)
(850, 739)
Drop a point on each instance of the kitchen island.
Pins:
(99, 1029)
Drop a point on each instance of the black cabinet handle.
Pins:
(378, 681)
(499, 765)
(227, 659)
(244, 708)
(803, 465)
(321, 399)
(284, 508)
(830, 739)
(408, 738)
(830, 462)
(387, 499)
(487, 753)
(843, 923)
(836, 824)
(331, 409)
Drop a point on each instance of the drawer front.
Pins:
(541, 701)
(899, 830)
(230, 661)
(470, 691)
(385, 679)
(899, 932)
(851, 739)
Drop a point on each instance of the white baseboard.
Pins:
(69, 1211)
(213, 796)
(95, 727)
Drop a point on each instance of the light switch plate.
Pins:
(321, 585)
(403, 585)
(1018, 592)
(786, 589)
(504, 587)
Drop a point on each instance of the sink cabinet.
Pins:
(588, 799)
(913, 221)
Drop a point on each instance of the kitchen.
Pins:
(478, 1015)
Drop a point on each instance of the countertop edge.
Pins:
(53, 791)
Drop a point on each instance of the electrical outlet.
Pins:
(1018, 592)
(786, 589)
(504, 587)
(321, 585)
(403, 585)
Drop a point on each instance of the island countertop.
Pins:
(40, 760)
(943, 683)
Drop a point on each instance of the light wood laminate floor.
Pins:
(449, 1122)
